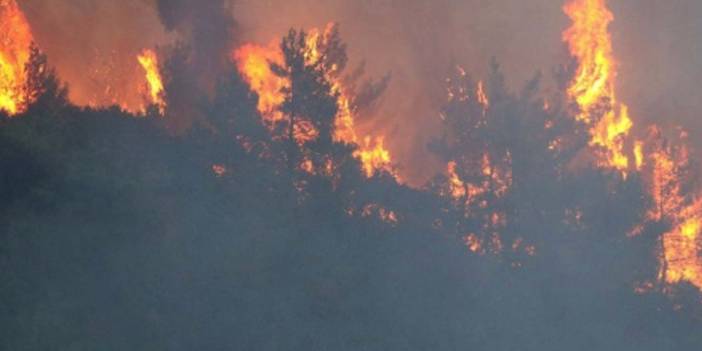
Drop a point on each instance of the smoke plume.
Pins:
(416, 41)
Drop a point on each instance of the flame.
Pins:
(680, 247)
(665, 187)
(590, 43)
(482, 97)
(373, 156)
(662, 165)
(473, 243)
(663, 168)
(456, 185)
(463, 192)
(15, 42)
(384, 214)
(680, 259)
(149, 61)
(471, 196)
(592, 87)
(638, 155)
(15, 50)
(253, 62)
(219, 170)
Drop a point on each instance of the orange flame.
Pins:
(456, 185)
(638, 155)
(15, 42)
(682, 244)
(662, 165)
(664, 182)
(253, 62)
(372, 157)
(680, 259)
(592, 88)
(482, 97)
(149, 61)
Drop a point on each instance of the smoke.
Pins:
(208, 28)
(416, 41)
(657, 44)
(205, 31)
(94, 44)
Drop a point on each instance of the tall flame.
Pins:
(592, 88)
(15, 42)
(149, 62)
(253, 62)
(662, 165)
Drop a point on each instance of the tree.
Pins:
(43, 90)
(310, 104)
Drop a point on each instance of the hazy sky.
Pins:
(655, 41)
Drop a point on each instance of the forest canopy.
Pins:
(228, 216)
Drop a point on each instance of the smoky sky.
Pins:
(207, 27)
(659, 52)
(417, 41)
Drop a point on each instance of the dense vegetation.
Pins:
(118, 234)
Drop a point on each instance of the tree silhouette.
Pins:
(42, 89)
(117, 234)
(309, 102)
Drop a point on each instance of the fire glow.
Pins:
(661, 165)
(149, 62)
(592, 91)
(15, 41)
(592, 88)
(254, 63)
(680, 245)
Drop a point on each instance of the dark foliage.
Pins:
(117, 235)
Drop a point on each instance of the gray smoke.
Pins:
(207, 27)
(417, 41)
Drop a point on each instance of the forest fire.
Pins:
(666, 176)
(373, 157)
(680, 258)
(482, 97)
(592, 88)
(149, 61)
(15, 51)
(475, 182)
(15, 42)
(254, 63)
(179, 171)
(663, 166)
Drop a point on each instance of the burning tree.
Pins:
(323, 54)
(15, 41)
(491, 177)
(308, 102)
(269, 214)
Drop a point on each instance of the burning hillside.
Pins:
(233, 187)
(479, 181)
(609, 122)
